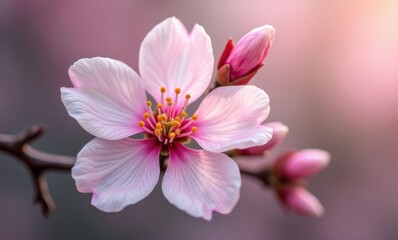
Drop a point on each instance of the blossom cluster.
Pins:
(109, 100)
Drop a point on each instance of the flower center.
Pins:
(167, 121)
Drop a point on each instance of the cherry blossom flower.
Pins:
(108, 100)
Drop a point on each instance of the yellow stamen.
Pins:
(184, 114)
(194, 117)
(158, 125)
(157, 132)
(177, 119)
(141, 124)
(147, 115)
(177, 131)
(168, 99)
(172, 135)
(176, 123)
(160, 118)
(194, 129)
(148, 103)
(162, 89)
(188, 96)
(160, 108)
(178, 91)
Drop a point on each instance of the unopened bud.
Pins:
(239, 63)
(301, 164)
(298, 200)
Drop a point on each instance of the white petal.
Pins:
(98, 114)
(199, 182)
(113, 79)
(118, 173)
(171, 57)
(230, 117)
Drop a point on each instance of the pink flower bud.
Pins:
(301, 164)
(278, 134)
(238, 64)
(299, 201)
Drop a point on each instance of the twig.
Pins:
(36, 161)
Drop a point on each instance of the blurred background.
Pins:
(332, 76)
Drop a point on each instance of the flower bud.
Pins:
(238, 64)
(299, 201)
(301, 164)
(279, 131)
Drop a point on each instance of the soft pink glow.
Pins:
(331, 76)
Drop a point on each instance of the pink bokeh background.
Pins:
(332, 76)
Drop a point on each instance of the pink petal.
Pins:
(108, 98)
(230, 117)
(171, 57)
(199, 182)
(298, 200)
(302, 164)
(118, 173)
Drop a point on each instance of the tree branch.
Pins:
(36, 161)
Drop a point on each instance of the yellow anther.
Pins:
(177, 119)
(160, 118)
(157, 132)
(164, 116)
(169, 103)
(194, 129)
(168, 99)
(188, 96)
(176, 123)
(158, 125)
(147, 115)
(194, 117)
(177, 131)
(172, 135)
(178, 91)
(159, 105)
(184, 114)
(162, 89)
(141, 123)
(148, 103)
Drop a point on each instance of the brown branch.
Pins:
(36, 161)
